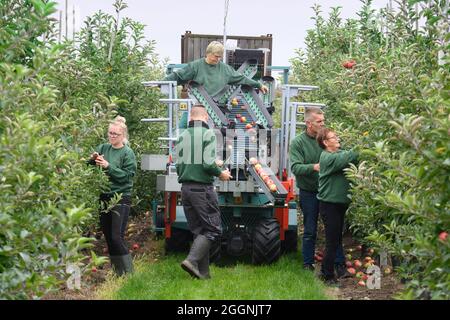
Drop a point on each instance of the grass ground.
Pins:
(165, 280)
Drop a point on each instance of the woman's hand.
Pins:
(101, 162)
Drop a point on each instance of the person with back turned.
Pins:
(196, 169)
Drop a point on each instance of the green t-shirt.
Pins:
(213, 77)
(196, 154)
(333, 185)
(304, 152)
(121, 169)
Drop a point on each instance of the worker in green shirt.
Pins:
(196, 168)
(212, 73)
(304, 155)
(119, 162)
(333, 195)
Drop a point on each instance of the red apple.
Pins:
(238, 116)
(361, 283)
(443, 236)
(357, 263)
(367, 259)
(248, 126)
(243, 119)
(364, 277)
(351, 270)
(135, 246)
(348, 264)
(94, 269)
(318, 258)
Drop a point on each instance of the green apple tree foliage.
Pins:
(393, 106)
(55, 104)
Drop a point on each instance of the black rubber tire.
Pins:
(266, 242)
(290, 243)
(179, 240)
(215, 252)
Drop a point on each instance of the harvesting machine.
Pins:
(258, 207)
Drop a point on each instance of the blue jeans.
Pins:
(310, 208)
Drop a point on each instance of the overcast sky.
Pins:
(166, 21)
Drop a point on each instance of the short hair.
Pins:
(322, 136)
(215, 47)
(198, 110)
(310, 111)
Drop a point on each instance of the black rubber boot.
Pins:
(200, 249)
(122, 264)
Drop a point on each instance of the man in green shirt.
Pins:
(196, 169)
(304, 154)
(212, 73)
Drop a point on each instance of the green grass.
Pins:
(165, 280)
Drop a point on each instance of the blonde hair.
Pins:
(121, 122)
(215, 47)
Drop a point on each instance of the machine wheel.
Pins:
(290, 243)
(179, 241)
(215, 252)
(266, 242)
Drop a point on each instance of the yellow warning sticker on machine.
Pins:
(300, 109)
(183, 106)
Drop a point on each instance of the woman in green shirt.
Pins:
(333, 195)
(119, 163)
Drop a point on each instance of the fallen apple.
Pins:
(361, 283)
(367, 259)
(348, 264)
(364, 277)
(318, 258)
(94, 269)
(243, 119)
(135, 246)
(248, 126)
(443, 236)
(359, 274)
(387, 270)
(238, 116)
(357, 263)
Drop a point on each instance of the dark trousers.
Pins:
(310, 209)
(333, 219)
(114, 224)
(201, 207)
